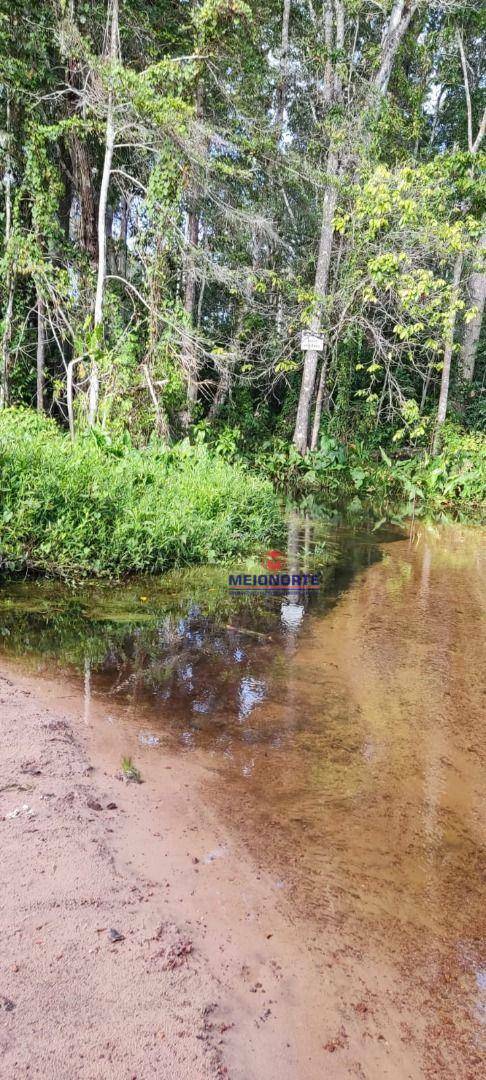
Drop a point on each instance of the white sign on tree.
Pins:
(311, 342)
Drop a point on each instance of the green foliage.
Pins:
(220, 173)
(97, 507)
(220, 17)
(367, 479)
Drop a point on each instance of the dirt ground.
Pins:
(208, 975)
(169, 999)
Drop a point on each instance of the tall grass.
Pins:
(94, 508)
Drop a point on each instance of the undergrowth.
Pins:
(97, 507)
(364, 477)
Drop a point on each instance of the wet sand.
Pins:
(74, 1003)
(212, 978)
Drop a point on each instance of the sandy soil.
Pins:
(211, 977)
(194, 989)
(74, 1003)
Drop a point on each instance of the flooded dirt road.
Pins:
(339, 739)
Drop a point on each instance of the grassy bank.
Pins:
(96, 508)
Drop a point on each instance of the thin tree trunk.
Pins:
(472, 333)
(425, 388)
(340, 29)
(10, 276)
(222, 391)
(189, 357)
(397, 25)
(8, 178)
(110, 254)
(82, 174)
(41, 352)
(448, 348)
(319, 402)
(69, 396)
(189, 354)
(477, 280)
(122, 261)
(7, 337)
(328, 38)
(332, 91)
(284, 56)
(113, 54)
(320, 288)
(161, 422)
(70, 391)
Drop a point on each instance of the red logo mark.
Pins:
(274, 560)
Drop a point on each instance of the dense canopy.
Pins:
(190, 184)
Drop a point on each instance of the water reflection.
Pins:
(198, 658)
(346, 740)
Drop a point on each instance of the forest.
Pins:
(242, 253)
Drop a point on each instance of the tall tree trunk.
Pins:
(319, 402)
(320, 288)
(328, 39)
(83, 185)
(339, 36)
(397, 25)
(6, 339)
(161, 422)
(113, 55)
(477, 280)
(122, 259)
(10, 276)
(477, 295)
(448, 349)
(284, 57)
(395, 28)
(157, 284)
(189, 357)
(8, 176)
(41, 352)
(189, 353)
(334, 35)
(425, 388)
(82, 172)
(110, 253)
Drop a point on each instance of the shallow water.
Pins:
(342, 730)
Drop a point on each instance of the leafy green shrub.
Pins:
(362, 477)
(94, 507)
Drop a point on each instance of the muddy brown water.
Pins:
(342, 733)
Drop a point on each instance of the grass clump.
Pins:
(92, 507)
(130, 771)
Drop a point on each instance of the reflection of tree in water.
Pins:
(182, 646)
